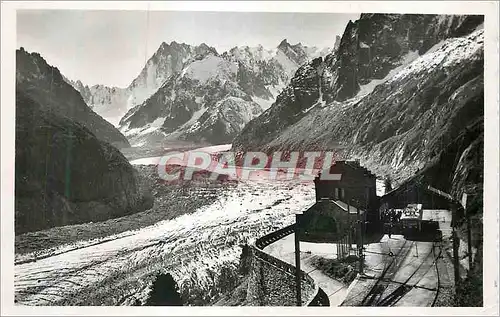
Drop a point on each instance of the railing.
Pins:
(320, 298)
(274, 236)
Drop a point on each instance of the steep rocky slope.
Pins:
(397, 91)
(45, 85)
(64, 174)
(214, 96)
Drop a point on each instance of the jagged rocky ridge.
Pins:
(249, 79)
(203, 103)
(108, 102)
(45, 84)
(397, 91)
(213, 97)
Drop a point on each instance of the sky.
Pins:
(111, 47)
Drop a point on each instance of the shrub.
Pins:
(164, 292)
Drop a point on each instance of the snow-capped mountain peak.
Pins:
(195, 78)
(214, 96)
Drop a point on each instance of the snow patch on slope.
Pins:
(263, 103)
(150, 127)
(448, 54)
(406, 60)
(209, 68)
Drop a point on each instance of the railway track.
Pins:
(372, 297)
(396, 295)
(438, 278)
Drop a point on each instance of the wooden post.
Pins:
(338, 250)
(359, 242)
(469, 242)
(455, 245)
(297, 261)
(342, 246)
(349, 227)
(348, 243)
(344, 242)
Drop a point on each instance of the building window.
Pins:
(342, 193)
(336, 191)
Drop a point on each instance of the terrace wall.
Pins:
(272, 281)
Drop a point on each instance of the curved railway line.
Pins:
(375, 296)
(396, 295)
(380, 285)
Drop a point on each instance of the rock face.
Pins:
(168, 60)
(398, 90)
(214, 96)
(64, 174)
(45, 85)
(377, 43)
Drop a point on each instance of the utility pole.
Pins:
(359, 241)
(455, 244)
(297, 260)
(349, 226)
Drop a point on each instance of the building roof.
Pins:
(340, 204)
(354, 164)
(344, 206)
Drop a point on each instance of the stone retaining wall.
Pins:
(272, 281)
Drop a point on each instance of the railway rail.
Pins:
(380, 285)
(374, 296)
(396, 295)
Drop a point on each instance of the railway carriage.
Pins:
(414, 227)
(411, 218)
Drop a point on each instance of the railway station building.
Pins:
(340, 203)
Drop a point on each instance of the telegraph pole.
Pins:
(359, 240)
(297, 260)
(349, 226)
(455, 244)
